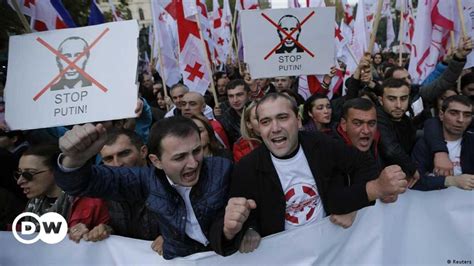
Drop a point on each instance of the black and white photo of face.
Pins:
(71, 48)
(289, 23)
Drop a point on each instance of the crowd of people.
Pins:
(191, 175)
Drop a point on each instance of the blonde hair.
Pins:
(246, 132)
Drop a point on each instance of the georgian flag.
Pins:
(192, 53)
(408, 25)
(164, 31)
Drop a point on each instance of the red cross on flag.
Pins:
(206, 29)
(164, 29)
(433, 23)
(192, 53)
(221, 19)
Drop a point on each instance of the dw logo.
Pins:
(52, 228)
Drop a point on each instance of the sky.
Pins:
(284, 3)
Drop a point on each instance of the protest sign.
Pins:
(288, 42)
(72, 76)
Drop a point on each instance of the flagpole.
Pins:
(375, 26)
(21, 16)
(461, 18)
(233, 26)
(453, 41)
(208, 64)
(400, 34)
(162, 74)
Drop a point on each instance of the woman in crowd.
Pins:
(250, 138)
(210, 145)
(35, 177)
(159, 110)
(317, 114)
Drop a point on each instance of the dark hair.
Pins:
(218, 75)
(48, 152)
(381, 55)
(358, 104)
(462, 99)
(214, 144)
(177, 126)
(394, 83)
(179, 85)
(299, 100)
(309, 104)
(134, 138)
(391, 70)
(467, 79)
(236, 82)
(274, 96)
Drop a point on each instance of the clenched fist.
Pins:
(390, 183)
(82, 143)
(236, 213)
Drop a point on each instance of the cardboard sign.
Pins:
(288, 42)
(72, 76)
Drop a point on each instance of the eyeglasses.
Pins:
(27, 175)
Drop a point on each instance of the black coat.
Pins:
(331, 163)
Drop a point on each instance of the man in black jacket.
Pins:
(295, 179)
(398, 134)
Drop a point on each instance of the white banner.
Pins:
(72, 76)
(430, 228)
(288, 42)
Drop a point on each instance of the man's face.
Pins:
(456, 119)
(192, 104)
(402, 74)
(237, 97)
(177, 95)
(42, 183)
(147, 81)
(278, 126)
(282, 83)
(221, 83)
(360, 127)
(123, 153)
(395, 101)
(289, 24)
(181, 159)
(262, 83)
(72, 49)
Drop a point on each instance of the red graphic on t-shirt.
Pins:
(301, 203)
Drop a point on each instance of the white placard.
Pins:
(72, 76)
(288, 42)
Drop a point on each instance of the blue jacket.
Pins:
(423, 156)
(208, 197)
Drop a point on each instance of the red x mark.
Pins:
(194, 71)
(288, 35)
(70, 65)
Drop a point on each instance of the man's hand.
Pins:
(98, 233)
(464, 48)
(139, 107)
(463, 181)
(77, 232)
(343, 220)
(236, 213)
(82, 143)
(442, 164)
(217, 111)
(391, 182)
(157, 245)
(250, 241)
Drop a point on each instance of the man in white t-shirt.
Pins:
(295, 179)
(455, 116)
